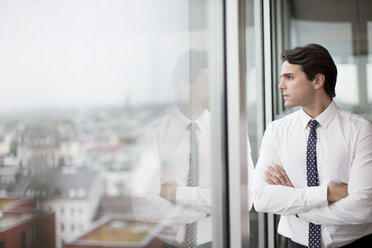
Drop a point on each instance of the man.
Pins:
(174, 169)
(315, 165)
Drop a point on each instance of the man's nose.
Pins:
(281, 85)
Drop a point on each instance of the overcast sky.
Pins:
(88, 52)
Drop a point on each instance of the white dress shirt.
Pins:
(344, 156)
(164, 158)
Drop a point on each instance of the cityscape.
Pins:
(67, 172)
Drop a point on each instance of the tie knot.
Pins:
(192, 126)
(313, 124)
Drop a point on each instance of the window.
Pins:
(346, 33)
(254, 102)
(23, 239)
(29, 237)
(34, 235)
(96, 79)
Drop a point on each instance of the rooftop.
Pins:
(5, 202)
(9, 220)
(57, 183)
(114, 205)
(15, 210)
(118, 230)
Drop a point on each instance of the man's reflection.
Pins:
(173, 171)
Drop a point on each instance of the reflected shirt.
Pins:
(344, 156)
(165, 159)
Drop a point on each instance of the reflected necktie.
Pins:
(312, 179)
(191, 230)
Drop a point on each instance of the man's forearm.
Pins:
(196, 197)
(285, 200)
(336, 193)
(351, 210)
(168, 192)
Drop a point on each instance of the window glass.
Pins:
(369, 63)
(344, 28)
(106, 105)
(251, 103)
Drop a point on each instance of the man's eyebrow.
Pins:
(286, 74)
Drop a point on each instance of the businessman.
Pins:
(315, 165)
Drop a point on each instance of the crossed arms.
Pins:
(278, 176)
(154, 200)
(328, 205)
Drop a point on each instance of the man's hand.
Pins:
(277, 176)
(168, 191)
(336, 193)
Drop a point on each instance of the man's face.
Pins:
(195, 93)
(200, 89)
(297, 89)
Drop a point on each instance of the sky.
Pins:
(89, 52)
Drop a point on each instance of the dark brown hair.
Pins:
(314, 59)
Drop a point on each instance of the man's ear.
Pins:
(318, 81)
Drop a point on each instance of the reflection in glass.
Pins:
(79, 82)
(176, 152)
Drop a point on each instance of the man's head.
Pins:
(190, 78)
(314, 59)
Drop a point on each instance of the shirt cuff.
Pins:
(317, 196)
(186, 195)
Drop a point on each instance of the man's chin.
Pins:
(289, 104)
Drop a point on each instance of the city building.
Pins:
(23, 225)
(73, 194)
(8, 176)
(38, 147)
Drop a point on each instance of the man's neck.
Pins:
(191, 112)
(317, 107)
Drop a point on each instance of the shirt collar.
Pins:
(324, 118)
(183, 121)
